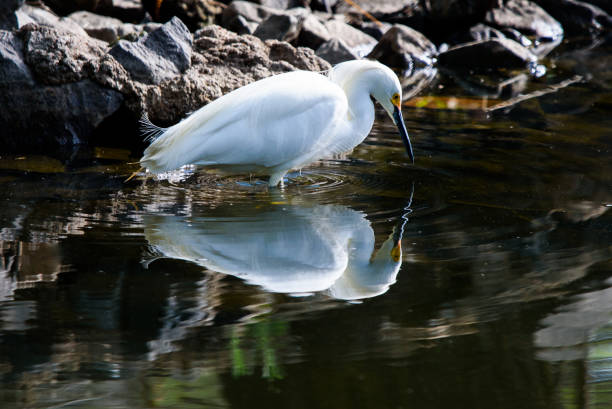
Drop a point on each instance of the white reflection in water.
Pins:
(293, 249)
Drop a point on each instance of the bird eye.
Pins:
(395, 99)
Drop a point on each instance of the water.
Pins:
(218, 293)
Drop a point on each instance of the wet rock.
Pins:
(578, 17)
(336, 51)
(403, 47)
(29, 14)
(8, 19)
(527, 17)
(313, 33)
(104, 28)
(490, 54)
(13, 70)
(358, 42)
(162, 54)
(482, 32)
(605, 5)
(283, 27)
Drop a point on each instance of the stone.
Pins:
(374, 7)
(358, 42)
(126, 10)
(57, 56)
(282, 27)
(578, 17)
(103, 28)
(375, 30)
(313, 33)
(482, 32)
(13, 70)
(401, 47)
(527, 17)
(490, 54)
(251, 12)
(158, 56)
(30, 14)
(240, 25)
(8, 19)
(281, 4)
(336, 51)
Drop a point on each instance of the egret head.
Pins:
(388, 92)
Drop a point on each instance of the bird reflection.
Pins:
(295, 249)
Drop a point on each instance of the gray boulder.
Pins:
(250, 12)
(403, 47)
(103, 28)
(527, 17)
(489, 54)
(358, 42)
(160, 55)
(13, 70)
(336, 51)
(27, 14)
(282, 27)
(313, 33)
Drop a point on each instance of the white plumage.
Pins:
(279, 123)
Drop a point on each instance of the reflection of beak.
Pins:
(396, 252)
(399, 122)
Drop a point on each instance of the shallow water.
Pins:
(209, 292)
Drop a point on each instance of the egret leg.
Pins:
(276, 178)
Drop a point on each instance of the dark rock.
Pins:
(578, 17)
(336, 51)
(517, 36)
(605, 5)
(193, 13)
(527, 17)
(65, 7)
(51, 116)
(13, 70)
(162, 54)
(490, 54)
(375, 30)
(283, 27)
(358, 43)
(482, 32)
(103, 28)
(401, 47)
(281, 4)
(313, 33)
(240, 25)
(8, 19)
(126, 10)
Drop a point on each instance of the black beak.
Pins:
(399, 121)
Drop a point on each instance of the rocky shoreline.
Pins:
(70, 69)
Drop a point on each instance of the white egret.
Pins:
(280, 123)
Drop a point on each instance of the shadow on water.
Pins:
(207, 292)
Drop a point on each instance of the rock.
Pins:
(527, 17)
(359, 43)
(490, 54)
(193, 13)
(605, 5)
(57, 56)
(251, 12)
(103, 28)
(375, 30)
(30, 14)
(313, 33)
(282, 27)
(8, 19)
(13, 70)
(482, 32)
(52, 116)
(65, 7)
(336, 51)
(126, 10)
(281, 4)
(374, 7)
(401, 47)
(160, 55)
(240, 25)
(578, 17)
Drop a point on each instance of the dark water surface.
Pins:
(208, 293)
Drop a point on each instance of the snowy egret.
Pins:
(280, 123)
